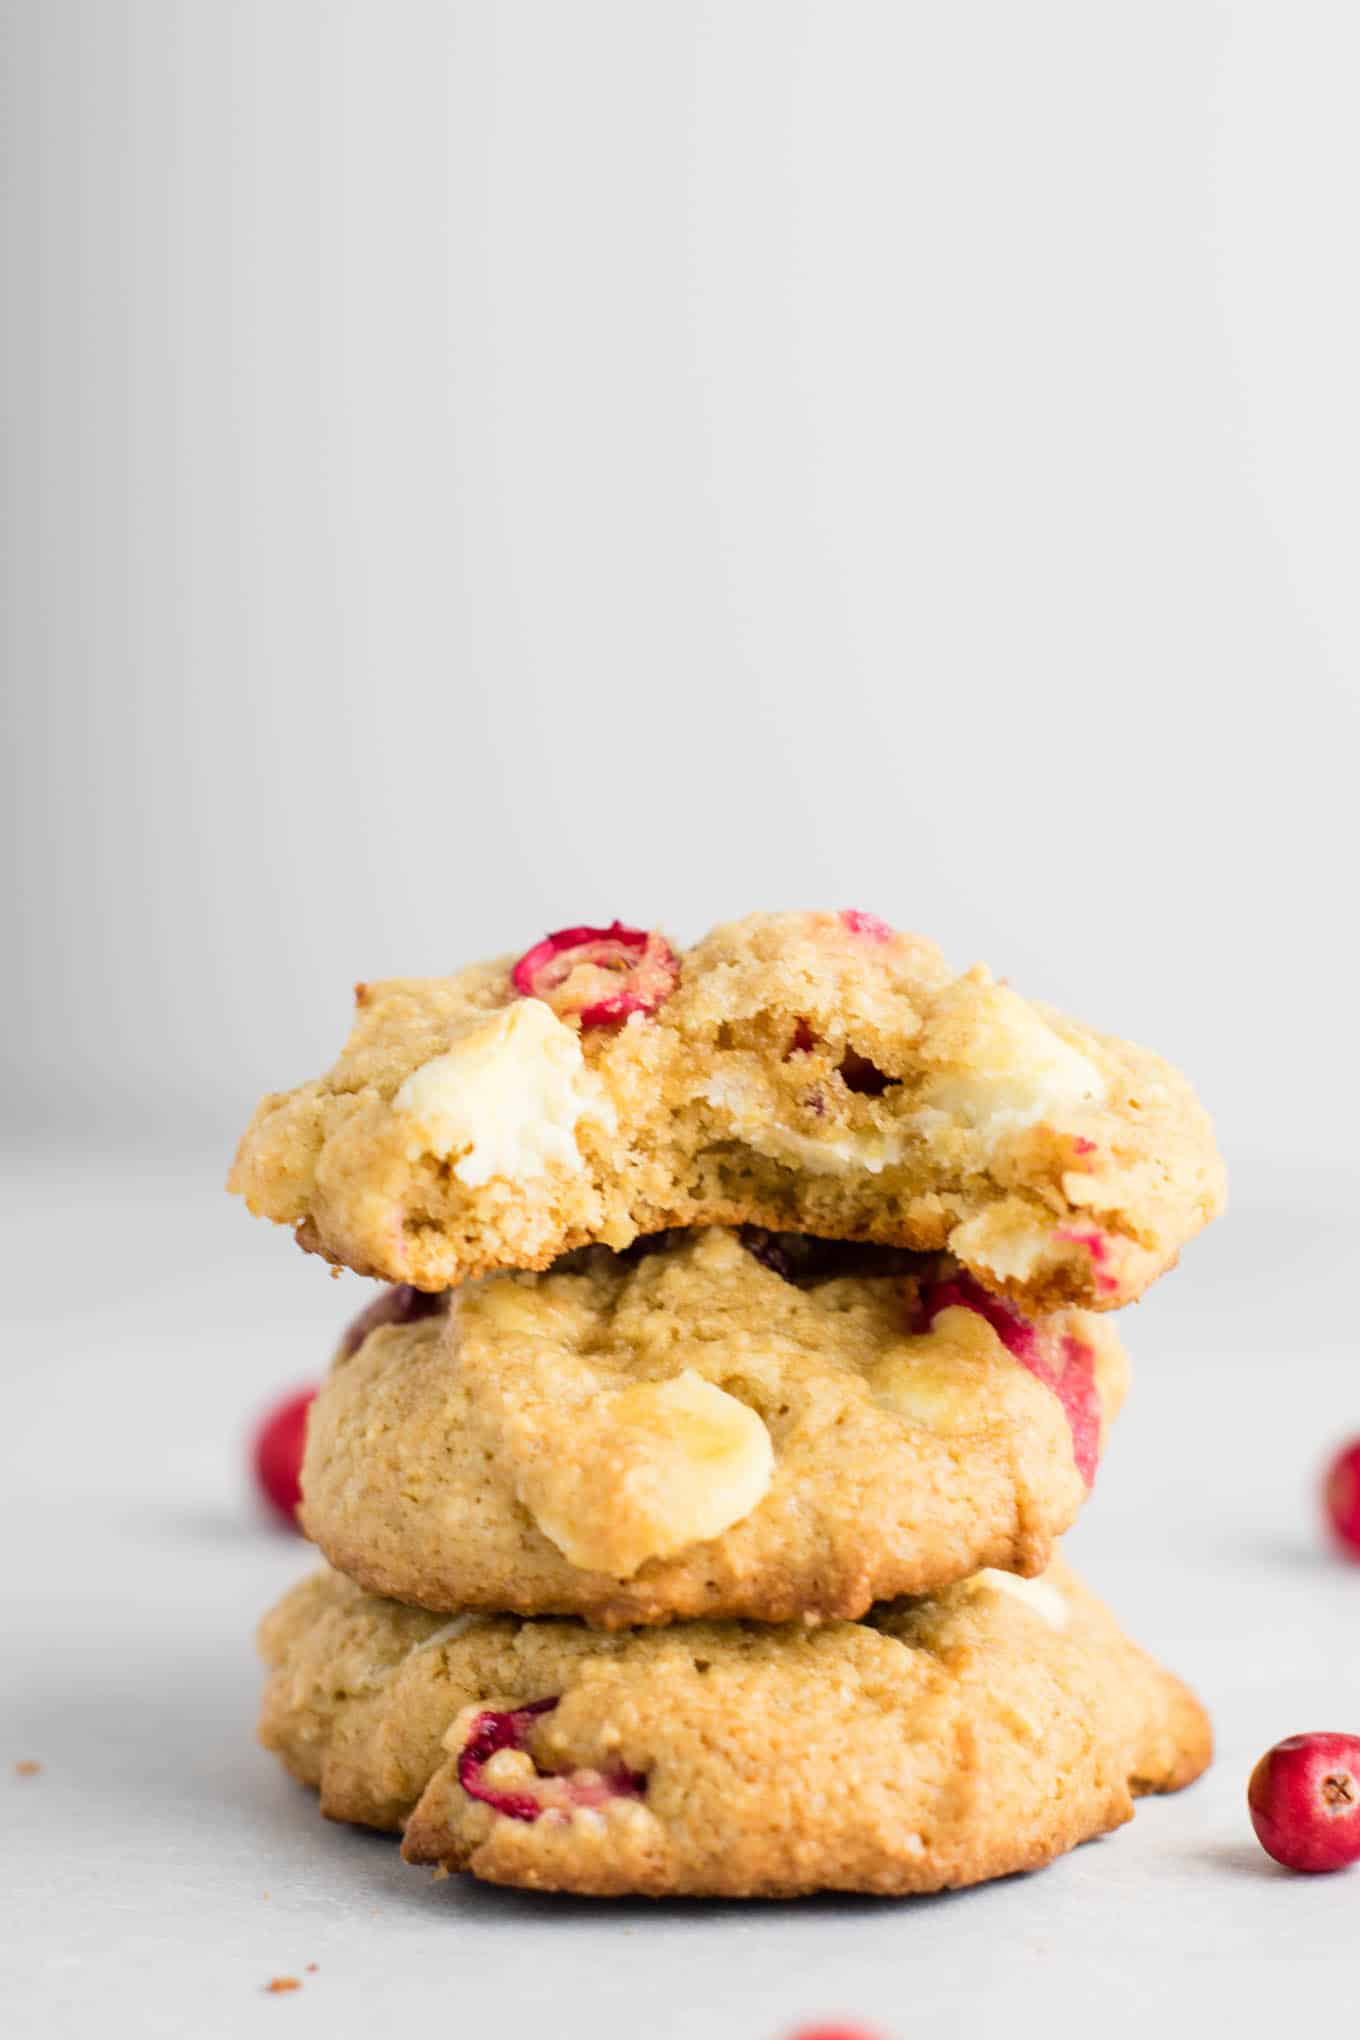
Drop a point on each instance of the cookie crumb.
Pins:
(276, 1984)
(312, 1968)
(27, 1767)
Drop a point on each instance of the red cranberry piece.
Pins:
(399, 1305)
(868, 925)
(965, 1292)
(833, 2033)
(1341, 1497)
(1098, 1247)
(1069, 1371)
(1075, 1388)
(1304, 1799)
(276, 1454)
(494, 1730)
(599, 975)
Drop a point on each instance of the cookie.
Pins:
(936, 1744)
(814, 1072)
(692, 1431)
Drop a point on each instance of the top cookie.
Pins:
(810, 1072)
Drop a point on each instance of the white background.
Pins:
(475, 466)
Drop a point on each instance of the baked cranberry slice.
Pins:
(1076, 1390)
(963, 1292)
(490, 1732)
(1096, 1245)
(599, 975)
(495, 1730)
(399, 1305)
(1066, 1365)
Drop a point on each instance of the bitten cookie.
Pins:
(771, 1429)
(937, 1744)
(816, 1072)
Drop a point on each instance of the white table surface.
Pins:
(160, 1868)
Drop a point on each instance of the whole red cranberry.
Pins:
(276, 1454)
(1341, 1498)
(833, 2033)
(1304, 1798)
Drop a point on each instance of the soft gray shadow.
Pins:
(1244, 1859)
(490, 1902)
(221, 1527)
(180, 1734)
(1314, 1556)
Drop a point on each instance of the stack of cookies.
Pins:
(690, 1500)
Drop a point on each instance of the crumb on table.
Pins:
(27, 1767)
(281, 1983)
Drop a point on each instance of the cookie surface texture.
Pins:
(812, 1072)
(692, 1431)
(940, 1743)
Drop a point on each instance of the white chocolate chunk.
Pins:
(505, 1098)
(505, 1769)
(873, 1152)
(944, 1379)
(752, 1123)
(998, 1065)
(1007, 1240)
(651, 1469)
(450, 1631)
(1041, 1597)
(927, 1396)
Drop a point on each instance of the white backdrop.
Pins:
(477, 466)
(473, 465)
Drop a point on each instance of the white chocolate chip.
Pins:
(942, 1379)
(751, 1123)
(1006, 1239)
(505, 1099)
(928, 1398)
(998, 1065)
(873, 1152)
(628, 1813)
(654, 1468)
(506, 1768)
(450, 1632)
(1041, 1597)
